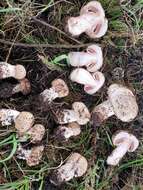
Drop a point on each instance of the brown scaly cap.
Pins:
(25, 86)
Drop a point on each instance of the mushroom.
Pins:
(59, 89)
(75, 166)
(8, 116)
(79, 113)
(35, 134)
(24, 122)
(92, 82)
(125, 142)
(92, 58)
(8, 89)
(92, 21)
(65, 132)
(16, 71)
(121, 102)
(32, 156)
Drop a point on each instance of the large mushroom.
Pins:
(8, 89)
(16, 71)
(8, 116)
(92, 82)
(121, 102)
(125, 142)
(92, 58)
(79, 113)
(75, 166)
(64, 132)
(32, 156)
(59, 89)
(92, 21)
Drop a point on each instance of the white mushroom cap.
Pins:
(65, 132)
(24, 122)
(82, 111)
(75, 166)
(92, 82)
(123, 136)
(92, 58)
(93, 7)
(8, 116)
(125, 142)
(20, 72)
(123, 101)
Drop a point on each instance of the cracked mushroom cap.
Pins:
(75, 166)
(93, 7)
(123, 101)
(60, 87)
(122, 137)
(36, 133)
(24, 122)
(20, 72)
(82, 112)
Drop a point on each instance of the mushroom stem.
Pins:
(118, 153)
(8, 116)
(49, 95)
(101, 112)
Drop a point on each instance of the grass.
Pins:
(122, 46)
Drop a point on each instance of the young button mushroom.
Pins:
(125, 142)
(8, 116)
(24, 122)
(121, 102)
(65, 132)
(32, 156)
(59, 89)
(35, 134)
(16, 71)
(75, 166)
(7, 89)
(79, 114)
(92, 21)
(92, 58)
(92, 82)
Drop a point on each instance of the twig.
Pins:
(56, 46)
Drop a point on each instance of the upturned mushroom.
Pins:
(23, 122)
(92, 58)
(8, 116)
(32, 156)
(79, 113)
(91, 21)
(59, 89)
(35, 134)
(121, 102)
(75, 166)
(125, 142)
(16, 71)
(8, 89)
(65, 132)
(92, 82)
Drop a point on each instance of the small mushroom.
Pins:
(75, 166)
(59, 89)
(92, 21)
(16, 71)
(79, 114)
(121, 102)
(24, 122)
(8, 116)
(32, 156)
(125, 142)
(92, 58)
(65, 132)
(35, 134)
(92, 82)
(8, 89)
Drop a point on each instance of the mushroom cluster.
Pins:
(19, 73)
(91, 21)
(26, 130)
